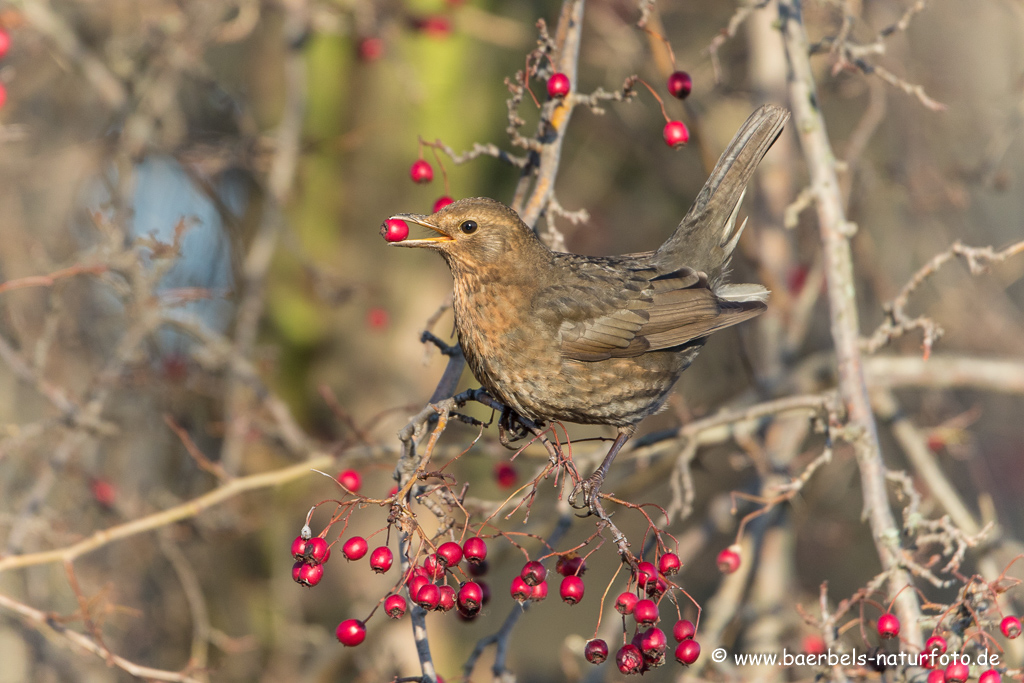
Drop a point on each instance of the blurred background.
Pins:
(194, 289)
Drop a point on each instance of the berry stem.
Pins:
(657, 97)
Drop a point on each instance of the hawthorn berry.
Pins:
(652, 644)
(571, 589)
(957, 672)
(317, 551)
(447, 599)
(475, 549)
(669, 564)
(570, 566)
(394, 230)
(629, 659)
(990, 676)
(505, 474)
(683, 630)
(381, 559)
(888, 625)
(646, 612)
(1010, 626)
(351, 632)
(442, 202)
(645, 572)
(655, 589)
(434, 565)
(520, 590)
(370, 49)
(729, 559)
(299, 548)
(5, 43)
(533, 573)
(675, 133)
(415, 584)
(377, 318)
(395, 606)
(936, 644)
(539, 592)
(307, 574)
(428, 596)
(470, 596)
(687, 652)
(625, 603)
(354, 548)
(435, 26)
(421, 171)
(680, 84)
(351, 480)
(558, 85)
(936, 676)
(103, 492)
(449, 554)
(596, 651)
(814, 644)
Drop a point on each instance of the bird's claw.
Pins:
(589, 489)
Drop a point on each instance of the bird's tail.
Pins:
(707, 235)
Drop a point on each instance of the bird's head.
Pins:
(475, 233)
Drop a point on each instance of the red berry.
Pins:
(629, 659)
(655, 589)
(351, 480)
(421, 171)
(936, 676)
(990, 676)
(103, 492)
(814, 644)
(957, 672)
(646, 612)
(299, 548)
(377, 318)
(442, 202)
(505, 475)
(687, 652)
(936, 644)
(470, 597)
(729, 559)
(652, 645)
(434, 566)
(625, 603)
(370, 49)
(351, 632)
(428, 596)
(520, 590)
(475, 549)
(645, 572)
(5, 43)
(669, 564)
(447, 600)
(317, 550)
(395, 606)
(354, 548)
(571, 589)
(394, 230)
(449, 554)
(539, 592)
(888, 625)
(381, 559)
(675, 133)
(307, 574)
(571, 566)
(680, 84)
(596, 651)
(435, 26)
(683, 630)
(533, 573)
(558, 85)
(1010, 626)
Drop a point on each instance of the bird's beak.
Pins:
(429, 242)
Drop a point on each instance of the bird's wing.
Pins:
(632, 311)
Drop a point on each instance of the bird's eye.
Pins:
(468, 227)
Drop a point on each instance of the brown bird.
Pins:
(589, 339)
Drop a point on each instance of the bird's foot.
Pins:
(585, 494)
(511, 428)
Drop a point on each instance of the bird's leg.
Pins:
(511, 429)
(591, 486)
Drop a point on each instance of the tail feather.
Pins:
(707, 235)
